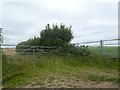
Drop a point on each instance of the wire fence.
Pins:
(101, 47)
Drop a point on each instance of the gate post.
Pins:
(33, 50)
(1, 52)
(101, 47)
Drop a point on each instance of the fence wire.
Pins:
(103, 47)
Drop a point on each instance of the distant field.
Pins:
(111, 51)
(9, 51)
(51, 71)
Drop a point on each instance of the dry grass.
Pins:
(9, 51)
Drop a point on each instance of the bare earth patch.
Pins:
(67, 82)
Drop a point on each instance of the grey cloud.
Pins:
(22, 21)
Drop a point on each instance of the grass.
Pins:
(47, 71)
(99, 78)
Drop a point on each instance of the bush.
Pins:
(55, 36)
(71, 49)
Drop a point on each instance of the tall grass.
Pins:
(21, 69)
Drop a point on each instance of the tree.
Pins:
(56, 35)
(1, 36)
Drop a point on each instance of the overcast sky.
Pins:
(90, 19)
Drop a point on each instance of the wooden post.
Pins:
(101, 47)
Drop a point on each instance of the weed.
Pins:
(99, 78)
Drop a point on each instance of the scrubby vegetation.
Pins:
(57, 38)
(25, 70)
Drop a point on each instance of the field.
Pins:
(111, 51)
(52, 71)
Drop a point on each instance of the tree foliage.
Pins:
(1, 36)
(51, 36)
(56, 36)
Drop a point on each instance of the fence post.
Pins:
(1, 41)
(33, 50)
(77, 44)
(101, 47)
